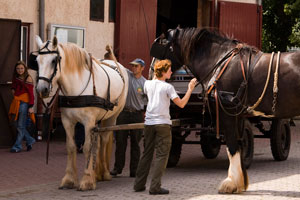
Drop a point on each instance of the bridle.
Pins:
(57, 61)
(163, 48)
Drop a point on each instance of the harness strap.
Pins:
(217, 65)
(52, 112)
(251, 108)
(92, 72)
(108, 84)
(255, 60)
(275, 87)
(243, 68)
(85, 101)
(217, 115)
(115, 68)
(115, 60)
(221, 73)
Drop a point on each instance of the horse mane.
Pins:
(191, 38)
(76, 58)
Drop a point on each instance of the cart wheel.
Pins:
(175, 151)
(280, 139)
(247, 144)
(210, 146)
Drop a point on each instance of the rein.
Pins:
(50, 107)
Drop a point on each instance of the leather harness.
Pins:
(218, 102)
(80, 100)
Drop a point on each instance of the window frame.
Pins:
(52, 28)
(24, 43)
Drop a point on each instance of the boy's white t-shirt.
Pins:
(159, 94)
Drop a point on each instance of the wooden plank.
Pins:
(175, 122)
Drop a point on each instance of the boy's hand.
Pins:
(192, 84)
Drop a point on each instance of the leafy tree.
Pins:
(281, 24)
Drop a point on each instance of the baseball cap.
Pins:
(137, 61)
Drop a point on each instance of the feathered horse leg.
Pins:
(237, 179)
(106, 149)
(88, 181)
(70, 180)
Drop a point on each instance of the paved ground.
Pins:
(26, 176)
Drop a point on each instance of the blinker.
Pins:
(32, 63)
(158, 50)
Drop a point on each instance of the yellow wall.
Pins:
(62, 12)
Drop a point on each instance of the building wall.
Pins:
(27, 13)
(66, 12)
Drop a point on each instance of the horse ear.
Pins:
(162, 36)
(54, 41)
(39, 41)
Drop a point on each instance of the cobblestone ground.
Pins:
(26, 176)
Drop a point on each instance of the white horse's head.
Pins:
(48, 60)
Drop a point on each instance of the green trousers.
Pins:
(158, 138)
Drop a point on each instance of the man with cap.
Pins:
(132, 113)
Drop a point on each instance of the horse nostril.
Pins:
(45, 92)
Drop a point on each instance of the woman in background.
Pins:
(22, 105)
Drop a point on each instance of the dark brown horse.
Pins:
(240, 78)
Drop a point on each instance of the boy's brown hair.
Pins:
(160, 67)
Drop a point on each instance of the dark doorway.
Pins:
(171, 13)
(10, 54)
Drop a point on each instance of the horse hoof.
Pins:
(87, 186)
(107, 177)
(99, 178)
(68, 185)
(228, 187)
(87, 182)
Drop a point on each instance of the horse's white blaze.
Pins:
(235, 180)
(45, 70)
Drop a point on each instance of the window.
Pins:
(66, 34)
(24, 42)
(97, 10)
(112, 10)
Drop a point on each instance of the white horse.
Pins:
(78, 75)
